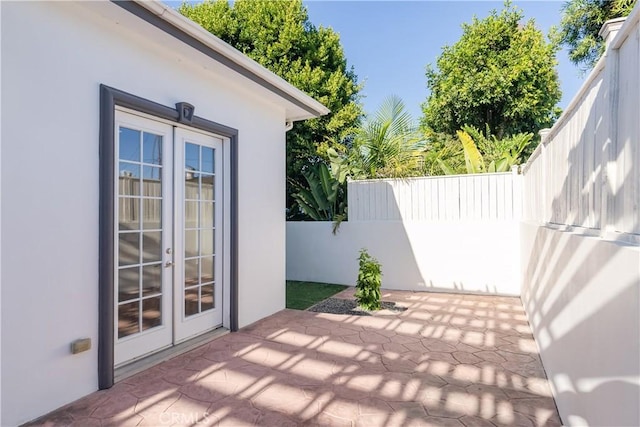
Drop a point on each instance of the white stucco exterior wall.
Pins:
(54, 56)
(459, 256)
(0, 221)
(582, 297)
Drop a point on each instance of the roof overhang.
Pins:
(298, 105)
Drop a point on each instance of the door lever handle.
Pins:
(168, 264)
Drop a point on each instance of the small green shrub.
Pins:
(369, 280)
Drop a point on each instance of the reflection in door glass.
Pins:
(199, 231)
(128, 319)
(151, 247)
(191, 301)
(207, 242)
(152, 181)
(128, 284)
(129, 144)
(192, 186)
(152, 149)
(129, 249)
(207, 214)
(207, 160)
(190, 214)
(206, 295)
(152, 209)
(151, 279)
(139, 176)
(129, 213)
(151, 313)
(191, 157)
(191, 271)
(207, 187)
(207, 270)
(129, 179)
(190, 243)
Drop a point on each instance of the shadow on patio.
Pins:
(448, 360)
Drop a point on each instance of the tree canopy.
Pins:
(581, 23)
(279, 36)
(500, 74)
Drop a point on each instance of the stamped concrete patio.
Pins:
(448, 360)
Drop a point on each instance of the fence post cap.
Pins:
(544, 133)
(610, 29)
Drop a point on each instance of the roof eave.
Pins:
(192, 34)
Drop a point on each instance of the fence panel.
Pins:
(627, 178)
(442, 198)
(586, 173)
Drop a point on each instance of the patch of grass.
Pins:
(302, 295)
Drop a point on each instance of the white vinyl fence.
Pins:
(586, 172)
(442, 198)
(579, 242)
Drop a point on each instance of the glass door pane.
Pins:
(142, 306)
(199, 228)
(140, 232)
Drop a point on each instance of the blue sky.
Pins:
(389, 43)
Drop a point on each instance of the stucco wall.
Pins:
(54, 56)
(466, 256)
(0, 223)
(582, 297)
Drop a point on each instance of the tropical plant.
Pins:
(279, 36)
(581, 23)
(472, 158)
(442, 148)
(369, 281)
(482, 154)
(385, 146)
(500, 73)
(325, 196)
(504, 152)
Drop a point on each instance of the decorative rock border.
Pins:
(350, 307)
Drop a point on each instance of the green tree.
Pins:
(501, 73)
(279, 36)
(581, 23)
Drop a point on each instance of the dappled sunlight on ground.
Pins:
(448, 360)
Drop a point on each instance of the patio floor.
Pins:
(448, 360)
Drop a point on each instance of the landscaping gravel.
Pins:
(345, 306)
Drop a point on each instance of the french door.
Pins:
(198, 296)
(168, 242)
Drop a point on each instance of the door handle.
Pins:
(168, 264)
